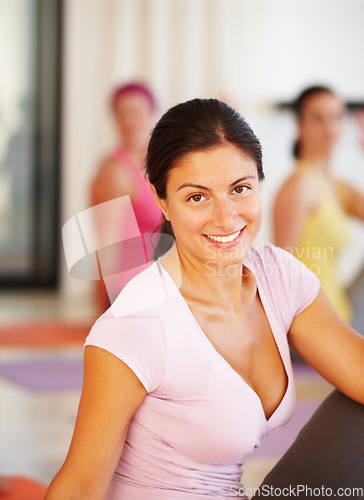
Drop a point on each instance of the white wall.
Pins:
(250, 52)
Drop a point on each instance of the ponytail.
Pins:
(164, 242)
(296, 149)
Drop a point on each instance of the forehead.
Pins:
(322, 102)
(211, 167)
(132, 99)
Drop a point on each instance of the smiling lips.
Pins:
(224, 239)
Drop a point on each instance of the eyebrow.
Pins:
(198, 186)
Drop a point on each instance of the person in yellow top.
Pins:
(312, 208)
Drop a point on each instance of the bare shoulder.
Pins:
(297, 184)
(111, 181)
(295, 201)
(297, 191)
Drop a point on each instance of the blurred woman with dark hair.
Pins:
(312, 208)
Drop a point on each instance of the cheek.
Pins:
(188, 221)
(312, 131)
(253, 210)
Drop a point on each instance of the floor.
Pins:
(36, 425)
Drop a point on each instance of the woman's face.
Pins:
(321, 123)
(133, 113)
(213, 203)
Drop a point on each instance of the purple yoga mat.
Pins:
(302, 370)
(45, 374)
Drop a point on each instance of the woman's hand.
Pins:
(330, 346)
(111, 395)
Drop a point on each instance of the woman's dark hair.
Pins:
(299, 104)
(192, 126)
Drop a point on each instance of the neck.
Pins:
(222, 287)
(320, 160)
(134, 150)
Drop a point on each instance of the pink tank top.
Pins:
(135, 251)
(147, 213)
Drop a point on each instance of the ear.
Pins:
(161, 203)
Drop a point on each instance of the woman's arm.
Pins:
(111, 394)
(295, 200)
(351, 200)
(330, 346)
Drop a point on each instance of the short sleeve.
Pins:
(300, 282)
(289, 285)
(138, 341)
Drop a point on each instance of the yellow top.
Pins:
(324, 234)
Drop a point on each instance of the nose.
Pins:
(225, 214)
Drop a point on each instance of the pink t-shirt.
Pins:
(199, 419)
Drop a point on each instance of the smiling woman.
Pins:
(190, 369)
(219, 208)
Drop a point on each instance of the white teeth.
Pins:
(224, 239)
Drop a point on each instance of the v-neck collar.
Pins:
(260, 290)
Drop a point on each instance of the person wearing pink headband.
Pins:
(122, 174)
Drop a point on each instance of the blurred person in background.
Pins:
(122, 173)
(312, 208)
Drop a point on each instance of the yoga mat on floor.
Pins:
(302, 370)
(22, 488)
(45, 374)
(47, 333)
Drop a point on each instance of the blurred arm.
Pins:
(294, 202)
(351, 200)
(111, 394)
(330, 346)
(110, 182)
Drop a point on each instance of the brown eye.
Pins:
(241, 189)
(196, 198)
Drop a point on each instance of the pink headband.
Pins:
(132, 87)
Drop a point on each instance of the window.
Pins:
(30, 41)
